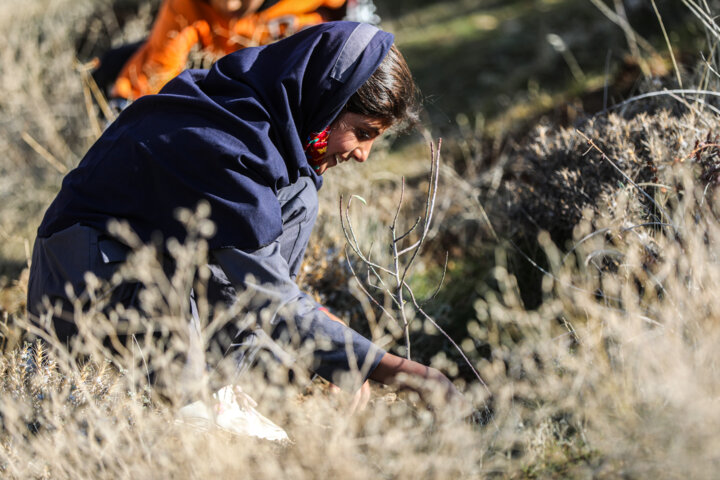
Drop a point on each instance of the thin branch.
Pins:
(373, 267)
(100, 99)
(677, 91)
(709, 65)
(706, 19)
(440, 283)
(400, 202)
(694, 109)
(350, 237)
(607, 76)
(412, 229)
(352, 240)
(435, 172)
(582, 240)
(623, 24)
(599, 293)
(556, 279)
(362, 287)
(449, 338)
(44, 153)
(430, 202)
(90, 110)
(472, 192)
(667, 41)
(410, 248)
(631, 37)
(400, 300)
(647, 224)
(399, 272)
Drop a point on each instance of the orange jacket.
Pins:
(183, 23)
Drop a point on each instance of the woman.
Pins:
(251, 137)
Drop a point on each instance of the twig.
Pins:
(607, 75)
(90, 110)
(676, 91)
(429, 202)
(667, 41)
(400, 202)
(449, 338)
(472, 193)
(631, 37)
(412, 229)
(40, 150)
(362, 287)
(582, 240)
(352, 239)
(647, 224)
(619, 18)
(556, 279)
(709, 66)
(399, 299)
(706, 19)
(440, 283)
(429, 209)
(100, 99)
(142, 356)
(695, 110)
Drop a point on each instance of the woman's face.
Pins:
(351, 138)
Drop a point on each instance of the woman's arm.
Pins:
(272, 285)
(411, 375)
(294, 317)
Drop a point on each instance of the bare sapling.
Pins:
(405, 247)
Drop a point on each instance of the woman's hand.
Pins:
(434, 387)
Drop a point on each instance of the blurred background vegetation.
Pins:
(513, 61)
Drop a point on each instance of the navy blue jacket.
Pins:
(232, 136)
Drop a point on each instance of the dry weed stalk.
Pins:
(634, 40)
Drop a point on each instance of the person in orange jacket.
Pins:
(219, 27)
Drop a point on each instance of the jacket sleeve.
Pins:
(294, 319)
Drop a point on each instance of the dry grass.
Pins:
(615, 374)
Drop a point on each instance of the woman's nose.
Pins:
(362, 151)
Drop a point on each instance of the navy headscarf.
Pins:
(232, 136)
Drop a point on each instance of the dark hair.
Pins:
(389, 95)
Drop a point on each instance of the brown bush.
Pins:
(556, 175)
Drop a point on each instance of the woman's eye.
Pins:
(362, 134)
